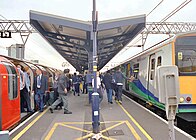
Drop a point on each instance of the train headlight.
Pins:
(181, 99)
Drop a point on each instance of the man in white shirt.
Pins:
(99, 90)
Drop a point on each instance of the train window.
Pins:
(152, 71)
(187, 60)
(159, 59)
(12, 81)
(136, 70)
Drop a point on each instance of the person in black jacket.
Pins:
(107, 80)
(118, 78)
(40, 87)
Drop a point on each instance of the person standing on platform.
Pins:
(26, 89)
(107, 80)
(84, 84)
(62, 90)
(22, 84)
(118, 77)
(40, 87)
(76, 84)
(99, 86)
(55, 85)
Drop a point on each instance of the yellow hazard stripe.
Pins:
(51, 132)
(136, 123)
(29, 126)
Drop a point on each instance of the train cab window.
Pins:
(187, 61)
(159, 61)
(136, 70)
(152, 70)
(12, 80)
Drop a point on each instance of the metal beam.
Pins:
(73, 56)
(69, 46)
(83, 54)
(65, 38)
(168, 27)
(17, 26)
(23, 26)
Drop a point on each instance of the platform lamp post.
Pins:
(95, 95)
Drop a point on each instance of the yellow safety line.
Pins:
(90, 122)
(107, 138)
(133, 131)
(130, 127)
(28, 126)
(75, 128)
(90, 133)
(51, 131)
(136, 123)
(111, 127)
(84, 137)
(111, 122)
(76, 122)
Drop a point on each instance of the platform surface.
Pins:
(128, 121)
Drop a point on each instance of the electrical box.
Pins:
(168, 88)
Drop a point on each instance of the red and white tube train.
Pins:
(10, 113)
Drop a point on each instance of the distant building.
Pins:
(16, 51)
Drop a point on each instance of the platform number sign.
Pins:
(5, 34)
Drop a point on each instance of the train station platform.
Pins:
(128, 121)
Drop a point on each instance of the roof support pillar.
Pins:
(90, 62)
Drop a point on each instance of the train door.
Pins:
(9, 95)
(151, 74)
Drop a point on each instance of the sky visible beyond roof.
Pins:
(82, 10)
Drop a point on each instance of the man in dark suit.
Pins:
(40, 86)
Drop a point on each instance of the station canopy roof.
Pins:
(73, 38)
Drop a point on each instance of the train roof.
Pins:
(25, 61)
(165, 41)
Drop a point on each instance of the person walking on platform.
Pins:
(118, 77)
(62, 90)
(55, 89)
(114, 86)
(40, 87)
(107, 80)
